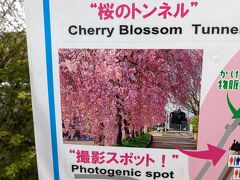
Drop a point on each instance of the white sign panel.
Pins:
(134, 89)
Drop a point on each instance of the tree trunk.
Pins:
(126, 133)
(119, 132)
(145, 130)
(100, 136)
(133, 132)
(119, 120)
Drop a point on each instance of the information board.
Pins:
(135, 89)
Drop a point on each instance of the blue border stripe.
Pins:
(48, 47)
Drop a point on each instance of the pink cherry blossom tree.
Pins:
(112, 94)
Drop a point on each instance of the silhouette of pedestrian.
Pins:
(237, 161)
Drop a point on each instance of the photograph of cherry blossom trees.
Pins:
(130, 97)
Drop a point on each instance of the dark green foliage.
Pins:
(139, 141)
(17, 148)
(194, 122)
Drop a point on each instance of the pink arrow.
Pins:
(213, 153)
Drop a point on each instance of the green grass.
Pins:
(139, 141)
(152, 129)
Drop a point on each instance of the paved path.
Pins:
(173, 140)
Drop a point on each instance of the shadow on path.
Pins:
(173, 140)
